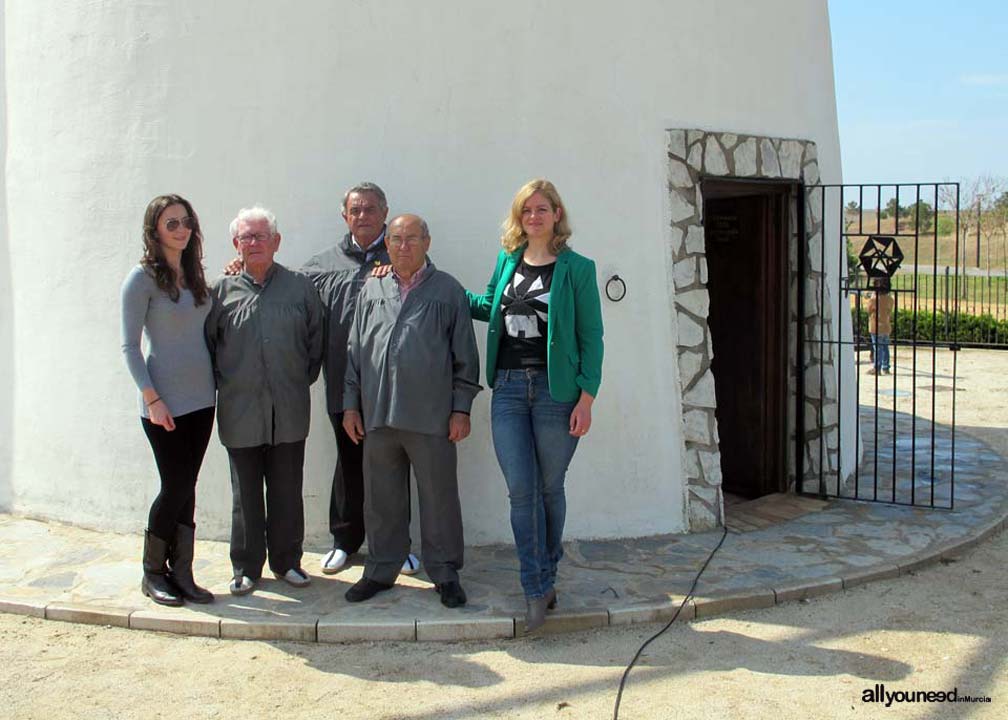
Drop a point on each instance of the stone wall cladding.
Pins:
(692, 156)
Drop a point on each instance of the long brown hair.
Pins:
(514, 236)
(154, 261)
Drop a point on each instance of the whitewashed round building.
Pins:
(645, 115)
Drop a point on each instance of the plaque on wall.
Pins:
(722, 228)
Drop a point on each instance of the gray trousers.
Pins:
(388, 455)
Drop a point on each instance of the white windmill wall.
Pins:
(450, 106)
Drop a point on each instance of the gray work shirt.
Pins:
(339, 274)
(266, 344)
(411, 364)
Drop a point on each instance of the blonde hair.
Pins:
(514, 237)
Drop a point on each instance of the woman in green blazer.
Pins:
(544, 359)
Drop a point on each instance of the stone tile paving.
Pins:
(77, 574)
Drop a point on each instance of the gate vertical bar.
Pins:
(842, 307)
(802, 248)
(822, 337)
(955, 345)
(913, 370)
(934, 366)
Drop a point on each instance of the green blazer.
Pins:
(574, 321)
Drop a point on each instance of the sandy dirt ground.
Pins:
(937, 629)
(941, 628)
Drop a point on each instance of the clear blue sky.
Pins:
(922, 88)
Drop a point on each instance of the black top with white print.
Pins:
(525, 307)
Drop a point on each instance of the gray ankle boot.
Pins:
(535, 613)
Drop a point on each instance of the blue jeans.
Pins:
(531, 434)
(880, 347)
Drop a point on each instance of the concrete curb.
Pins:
(189, 621)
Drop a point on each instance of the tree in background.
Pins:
(920, 213)
(891, 209)
(994, 226)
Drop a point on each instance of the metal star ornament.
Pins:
(881, 256)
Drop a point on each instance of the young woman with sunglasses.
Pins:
(165, 298)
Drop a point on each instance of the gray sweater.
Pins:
(411, 364)
(175, 362)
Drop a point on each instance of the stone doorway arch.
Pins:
(695, 155)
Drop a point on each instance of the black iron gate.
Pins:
(879, 284)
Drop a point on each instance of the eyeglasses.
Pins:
(249, 238)
(403, 241)
(186, 222)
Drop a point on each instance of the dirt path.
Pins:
(941, 628)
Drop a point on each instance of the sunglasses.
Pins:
(186, 222)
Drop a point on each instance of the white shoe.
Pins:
(411, 566)
(333, 561)
(295, 576)
(241, 585)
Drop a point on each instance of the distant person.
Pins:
(544, 359)
(412, 373)
(265, 334)
(880, 313)
(166, 300)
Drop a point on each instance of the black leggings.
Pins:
(178, 454)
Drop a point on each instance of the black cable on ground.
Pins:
(640, 650)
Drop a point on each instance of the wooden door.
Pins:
(746, 239)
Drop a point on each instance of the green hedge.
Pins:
(969, 329)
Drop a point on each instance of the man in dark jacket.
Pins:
(339, 273)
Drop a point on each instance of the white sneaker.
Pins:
(241, 585)
(295, 576)
(411, 566)
(333, 561)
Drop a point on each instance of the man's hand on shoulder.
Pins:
(234, 267)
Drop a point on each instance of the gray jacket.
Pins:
(410, 365)
(266, 345)
(339, 274)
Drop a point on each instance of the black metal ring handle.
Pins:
(615, 288)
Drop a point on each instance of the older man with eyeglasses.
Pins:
(412, 373)
(339, 274)
(265, 333)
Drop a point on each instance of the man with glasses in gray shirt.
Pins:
(339, 274)
(265, 333)
(412, 373)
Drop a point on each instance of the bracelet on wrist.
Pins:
(153, 401)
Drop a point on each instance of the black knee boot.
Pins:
(181, 561)
(156, 584)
